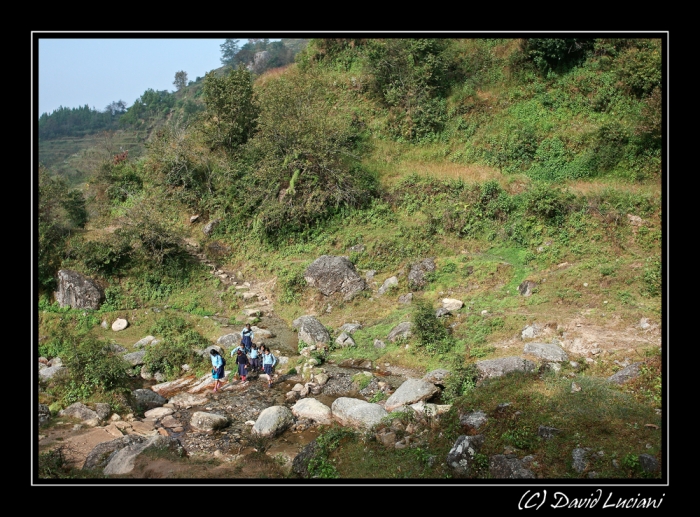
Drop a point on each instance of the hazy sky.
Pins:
(73, 72)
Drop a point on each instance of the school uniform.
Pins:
(242, 361)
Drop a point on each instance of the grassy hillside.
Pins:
(505, 161)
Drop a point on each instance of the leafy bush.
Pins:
(92, 367)
(460, 382)
(432, 335)
(169, 326)
(557, 53)
(168, 355)
(520, 437)
(653, 278)
(107, 257)
(232, 107)
(305, 162)
(320, 465)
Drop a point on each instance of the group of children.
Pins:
(250, 358)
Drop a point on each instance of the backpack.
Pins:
(274, 360)
(223, 361)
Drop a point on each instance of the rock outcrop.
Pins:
(78, 291)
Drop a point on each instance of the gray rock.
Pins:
(135, 358)
(473, 420)
(406, 298)
(230, 340)
(497, 367)
(402, 330)
(462, 454)
(313, 410)
(103, 410)
(439, 313)
(273, 420)
(144, 341)
(78, 291)
(311, 331)
(124, 459)
(102, 453)
(526, 287)
(52, 371)
(119, 324)
(648, 463)
(547, 432)
(81, 412)
(451, 304)
(531, 331)
(147, 399)
(580, 458)
(503, 467)
(416, 276)
(300, 464)
(209, 228)
(438, 376)
(624, 375)
(208, 421)
(350, 328)
(44, 414)
(546, 351)
(331, 275)
(357, 413)
(410, 392)
(344, 340)
(388, 284)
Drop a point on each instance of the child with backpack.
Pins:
(269, 362)
(242, 362)
(217, 372)
(255, 358)
(247, 337)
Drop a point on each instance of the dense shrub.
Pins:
(432, 335)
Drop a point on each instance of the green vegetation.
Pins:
(506, 161)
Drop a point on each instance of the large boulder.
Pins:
(313, 410)
(273, 420)
(331, 275)
(400, 331)
(416, 276)
(81, 412)
(626, 374)
(357, 413)
(78, 291)
(311, 331)
(547, 351)
(410, 392)
(462, 456)
(208, 421)
(102, 453)
(147, 399)
(124, 459)
(504, 467)
(300, 464)
(504, 365)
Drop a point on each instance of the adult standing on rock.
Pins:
(247, 337)
(217, 372)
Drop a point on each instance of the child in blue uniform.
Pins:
(247, 337)
(269, 362)
(254, 358)
(217, 372)
(242, 361)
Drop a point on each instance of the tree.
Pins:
(180, 80)
(229, 49)
(232, 108)
(60, 210)
(116, 108)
